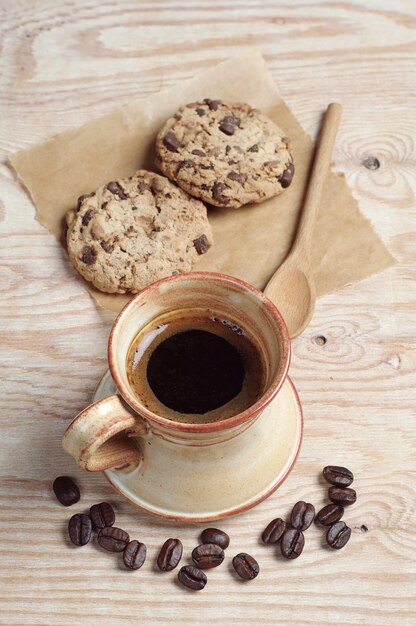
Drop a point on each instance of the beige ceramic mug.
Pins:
(167, 456)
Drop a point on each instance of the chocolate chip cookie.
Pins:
(134, 231)
(225, 154)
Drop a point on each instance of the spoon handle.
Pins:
(320, 167)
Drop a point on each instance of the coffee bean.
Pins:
(286, 178)
(134, 555)
(102, 515)
(342, 495)
(201, 244)
(192, 577)
(89, 255)
(302, 516)
(338, 535)
(246, 566)
(207, 555)
(117, 190)
(171, 142)
(330, 514)
(169, 555)
(66, 491)
(339, 476)
(214, 535)
(80, 528)
(113, 539)
(274, 531)
(292, 543)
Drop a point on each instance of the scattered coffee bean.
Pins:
(102, 515)
(342, 495)
(192, 577)
(246, 566)
(214, 535)
(302, 516)
(330, 514)
(66, 491)
(339, 476)
(80, 528)
(169, 555)
(134, 555)
(338, 535)
(207, 555)
(171, 142)
(274, 531)
(113, 539)
(292, 543)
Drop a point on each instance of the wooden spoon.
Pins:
(292, 286)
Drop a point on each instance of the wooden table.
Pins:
(64, 63)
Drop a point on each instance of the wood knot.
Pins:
(320, 340)
(371, 163)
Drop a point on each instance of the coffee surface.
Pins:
(195, 366)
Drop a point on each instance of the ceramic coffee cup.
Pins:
(119, 431)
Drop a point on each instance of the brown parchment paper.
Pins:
(250, 243)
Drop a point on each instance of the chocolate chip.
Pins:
(201, 244)
(227, 149)
(217, 190)
(89, 255)
(82, 198)
(200, 112)
(186, 163)
(117, 190)
(234, 176)
(142, 187)
(286, 178)
(254, 148)
(212, 104)
(171, 142)
(87, 217)
(228, 124)
(207, 167)
(198, 152)
(106, 246)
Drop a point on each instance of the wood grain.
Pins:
(65, 63)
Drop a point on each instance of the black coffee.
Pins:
(192, 364)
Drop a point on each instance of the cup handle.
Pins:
(101, 436)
